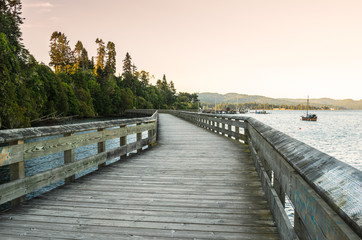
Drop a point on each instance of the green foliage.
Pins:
(61, 55)
(30, 91)
(101, 52)
(111, 58)
(127, 65)
(10, 21)
(11, 114)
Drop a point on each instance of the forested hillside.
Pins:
(255, 102)
(76, 85)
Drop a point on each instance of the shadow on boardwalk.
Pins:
(193, 184)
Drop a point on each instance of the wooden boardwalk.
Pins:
(192, 185)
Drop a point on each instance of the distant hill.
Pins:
(210, 98)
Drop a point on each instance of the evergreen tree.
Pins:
(134, 70)
(101, 52)
(81, 57)
(145, 78)
(61, 55)
(78, 50)
(85, 63)
(11, 114)
(10, 21)
(127, 65)
(111, 58)
(172, 88)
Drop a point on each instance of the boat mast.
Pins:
(237, 104)
(307, 104)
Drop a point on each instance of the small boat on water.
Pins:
(309, 116)
(261, 112)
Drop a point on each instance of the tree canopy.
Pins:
(77, 85)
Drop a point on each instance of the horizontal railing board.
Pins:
(284, 226)
(330, 179)
(46, 147)
(324, 173)
(27, 133)
(334, 180)
(307, 203)
(11, 154)
(17, 188)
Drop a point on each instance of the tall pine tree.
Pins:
(61, 55)
(101, 52)
(127, 65)
(111, 58)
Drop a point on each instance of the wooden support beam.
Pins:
(229, 127)
(237, 131)
(122, 142)
(223, 127)
(69, 158)
(17, 171)
(279, 190)
(101, 148)
(139, 138)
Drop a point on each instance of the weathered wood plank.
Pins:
(40, 229)
(317, 215)
(11, 154)
(191, 185)
(18, 188)
(69, 158)
(27, 133)
(17, 172)
(46, 147)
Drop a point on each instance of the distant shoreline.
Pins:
(207, 98)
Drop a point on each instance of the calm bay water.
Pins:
(337, 133)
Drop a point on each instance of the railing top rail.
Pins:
(338, 183)
(11, 135)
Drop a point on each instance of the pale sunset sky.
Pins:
(275, 48)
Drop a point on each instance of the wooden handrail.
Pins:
(325, 192)
(14, 151)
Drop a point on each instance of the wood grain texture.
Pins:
(11, 135)
(50, 146)
(322, 189)
(191, 185)
(11, 154)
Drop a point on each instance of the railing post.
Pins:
(246, 133)
(139, 138)
(237, 131)
(101, 148)
(122, 142)
(151, 133)
(266, 167)
(299, 228)
(17, 171)
(229, 127)
(216, 125)
(278, 188)
(223, 126)
(69, 158)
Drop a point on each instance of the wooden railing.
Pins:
(326, 193)
(18, 146)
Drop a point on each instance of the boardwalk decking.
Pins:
(192, 185)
